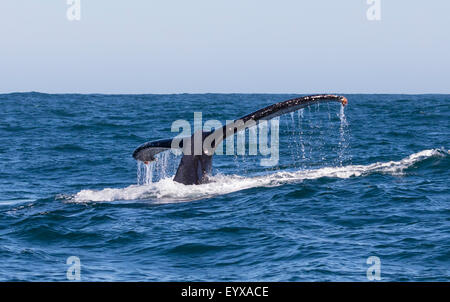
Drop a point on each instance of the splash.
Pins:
(145, 173)
(156, 170)
(168, 191)
(300, 114)
(343, 140)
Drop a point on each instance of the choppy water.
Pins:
(368, 181)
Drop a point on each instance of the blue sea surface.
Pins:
(368, 180)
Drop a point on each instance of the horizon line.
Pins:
(224, 93)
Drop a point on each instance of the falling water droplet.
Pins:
(300, 119)
(156, 170)
(343, 142)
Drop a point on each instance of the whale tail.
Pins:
(196, 163)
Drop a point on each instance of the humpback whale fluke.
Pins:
(193, 168)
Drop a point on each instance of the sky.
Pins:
(225, 46)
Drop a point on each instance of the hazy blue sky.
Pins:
(172, 46)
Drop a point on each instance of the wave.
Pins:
(168, 191)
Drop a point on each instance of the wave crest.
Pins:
(168, 191)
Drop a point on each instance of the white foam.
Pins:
(168, 191)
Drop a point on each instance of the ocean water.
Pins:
(370, 179)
